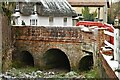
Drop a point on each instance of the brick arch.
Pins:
(22, 58)
(72, 51)
(56, 58)
(86, 62)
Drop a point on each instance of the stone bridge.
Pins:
(53, 47)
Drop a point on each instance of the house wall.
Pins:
(105, 11)
(58, 21)
(26, 19)
(92, 9)
(44, 21)
(69, 21)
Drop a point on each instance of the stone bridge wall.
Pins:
(64, 34)
(38, 40)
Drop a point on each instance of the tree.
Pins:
(7, 8)
(110, 17)
(114, 10)
(87, 15)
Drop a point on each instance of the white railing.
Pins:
(114, 46)
(109, 44)
(110, 34)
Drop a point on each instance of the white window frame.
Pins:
(65, 19)
(51, 20)
(33, 21)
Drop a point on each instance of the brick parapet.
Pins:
(59, 34)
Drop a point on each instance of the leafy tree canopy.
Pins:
(7, 8)
(87, 15)
(113, 11)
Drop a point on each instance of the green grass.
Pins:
(93, 73)
(24, 70)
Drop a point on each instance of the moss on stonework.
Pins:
(17, 64)
(93, 73)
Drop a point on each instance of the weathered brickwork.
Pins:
(37, 49)
(100, 38)
(56, 34)
(38, 40)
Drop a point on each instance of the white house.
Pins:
(100, 5)
(44, 13)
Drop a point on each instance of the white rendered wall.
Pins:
(41, 21)
(26, 19)
(58, 21)
(69, 21)
(105, 14)
(44, 21)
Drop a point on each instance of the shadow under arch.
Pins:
(86, 63)
(22, 59)
(55, 58)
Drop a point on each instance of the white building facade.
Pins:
(44, 21)
(44, 13)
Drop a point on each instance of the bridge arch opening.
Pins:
(86, 63)
(22, 59)
(56, 59)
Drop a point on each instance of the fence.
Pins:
(114, 40)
